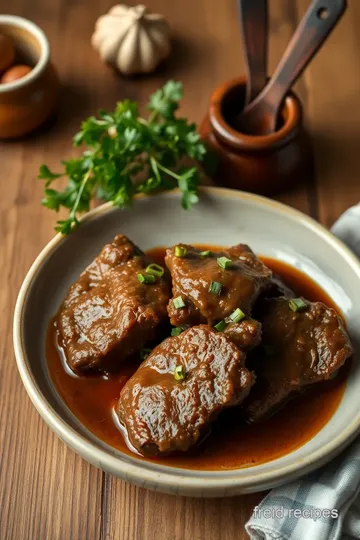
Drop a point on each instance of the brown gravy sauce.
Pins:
(232, 443)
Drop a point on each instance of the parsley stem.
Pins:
(155, 168)
(152, 117)
(79, 195)
(168, 171)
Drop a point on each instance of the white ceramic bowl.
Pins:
(222, 217)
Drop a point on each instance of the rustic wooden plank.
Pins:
(37, 488)
(135, 514)
(46, 491)
(208, 51)
(59, 495)
(333, 115)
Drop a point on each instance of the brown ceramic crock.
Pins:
(27, 102)
(258, 163)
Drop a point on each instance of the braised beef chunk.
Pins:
(108, 314)
(246, 334)
(195, 273)
(278, 288)
(298, 349)
(162, 414)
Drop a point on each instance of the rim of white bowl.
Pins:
(167, 477)
(35, 30)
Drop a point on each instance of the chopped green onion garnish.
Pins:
(180, 251)
(178, 302)
(155, 270)
(177, 330)
(224, 262)
(220, 326)
(237, 315)
(179, 373)
(206, 253)
(146, 278)
(215, 287)
(144, 353)
(297, 304)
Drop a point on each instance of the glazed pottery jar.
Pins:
(27, 102)
(257, 163)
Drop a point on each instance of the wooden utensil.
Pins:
(265, 164)
(254, 30)
(261, 115)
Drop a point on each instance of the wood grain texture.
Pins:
(46, 491)
(333, 116)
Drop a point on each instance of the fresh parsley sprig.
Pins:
(126, 154)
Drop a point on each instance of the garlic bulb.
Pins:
(132, 39)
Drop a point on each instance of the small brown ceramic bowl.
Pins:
(27, 102)
(258, 163)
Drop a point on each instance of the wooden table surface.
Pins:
(47, 492)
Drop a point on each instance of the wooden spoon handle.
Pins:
(316, 25)
(254, 28)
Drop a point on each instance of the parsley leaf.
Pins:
(165, 101)
(46, 174)
(126, 154)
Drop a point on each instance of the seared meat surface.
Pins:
(246, 334)
(162, 414)
(108, 314)
(298, 349)
(241, 341)
(192, 275)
